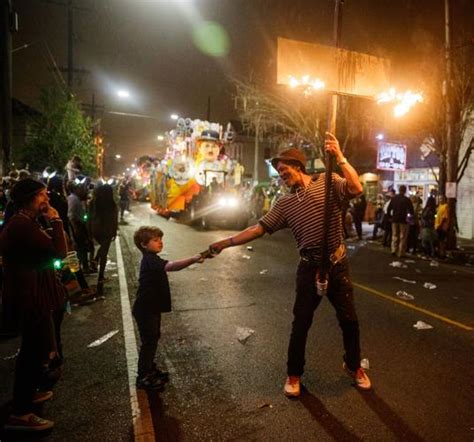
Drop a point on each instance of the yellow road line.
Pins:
(413, 307)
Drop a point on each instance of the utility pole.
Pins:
(451, 149)
(208, 114)
(7, 25)
(256, 158)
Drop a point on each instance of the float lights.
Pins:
(380, 137)
(160, 137)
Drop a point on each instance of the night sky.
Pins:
(147, 47)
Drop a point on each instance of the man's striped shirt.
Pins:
(303, 213)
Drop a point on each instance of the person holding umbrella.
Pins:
(302, 211)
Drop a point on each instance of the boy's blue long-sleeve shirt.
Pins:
(153, 294)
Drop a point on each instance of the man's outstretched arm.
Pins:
(247, 235)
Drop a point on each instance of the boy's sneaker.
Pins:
(159, 374)
(360, 378)
(28, 422)
(150, 382)
(292, 386)
(42, 396)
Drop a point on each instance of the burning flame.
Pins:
(404, 100)
(307, 82)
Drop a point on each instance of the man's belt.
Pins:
(314, 254)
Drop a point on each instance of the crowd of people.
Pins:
(407, 225)
(55, 230)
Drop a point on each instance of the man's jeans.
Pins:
(340, 295)
(399, 238)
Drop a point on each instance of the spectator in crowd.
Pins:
(358, 213)
(428, 232)
(441, 226)
(78, 221)
(103, 224)
(378, 215)
(414, 224)
(73, 168)
(399, 208)
(124, 197)
(387, 220)
(30, 283)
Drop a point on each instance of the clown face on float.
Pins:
(208, 164)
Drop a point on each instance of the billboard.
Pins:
(342, 71)
(391, 156)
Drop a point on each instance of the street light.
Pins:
(122, 93)
(160, 137)
(174, 116)
(118, 156)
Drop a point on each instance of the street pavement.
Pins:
(223, 388)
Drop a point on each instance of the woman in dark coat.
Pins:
(31, 285)
(103, 224)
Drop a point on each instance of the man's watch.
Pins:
(343, 161)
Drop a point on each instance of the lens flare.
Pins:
(211, 39)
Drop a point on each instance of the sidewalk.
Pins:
(463, 256)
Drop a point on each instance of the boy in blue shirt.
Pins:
(153, 298)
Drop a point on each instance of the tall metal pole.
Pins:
(452, 153)
(331, 125)
(6, 82)
(256, 157)
(70, 45)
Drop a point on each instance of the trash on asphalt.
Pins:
(245, 256)
(111, 265)
(398, 264)
(434, 264)
(410, 261)
(404, 295)
(244, 333)
(364, 363)
(250, 248)
(265, 404)
(263, 271)
(420, 325)
(13, 356)
(409, 281)
(429, 285)
(104, 338)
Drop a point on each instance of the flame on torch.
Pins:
(404, 100)
(309, 84)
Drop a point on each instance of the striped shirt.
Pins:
(303, 213)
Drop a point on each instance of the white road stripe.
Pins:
(141, 415)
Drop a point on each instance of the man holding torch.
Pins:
(302, 211)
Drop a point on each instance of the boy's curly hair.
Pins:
(146, 233)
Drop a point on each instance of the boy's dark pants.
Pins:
(340, 295)
(149, 325)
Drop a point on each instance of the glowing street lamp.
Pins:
(118, 156)
(122, 93)
(160, 137)
(308, 84)
(174, 116)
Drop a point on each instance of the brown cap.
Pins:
(291, 156)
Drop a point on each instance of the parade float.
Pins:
(196, 181)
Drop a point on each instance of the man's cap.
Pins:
(25, 189)
(291, 156)
(209, 135)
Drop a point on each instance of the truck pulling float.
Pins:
(196, 181)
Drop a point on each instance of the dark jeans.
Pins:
(340, 295)
(37, 340)
(358, 226)
(149, 325)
